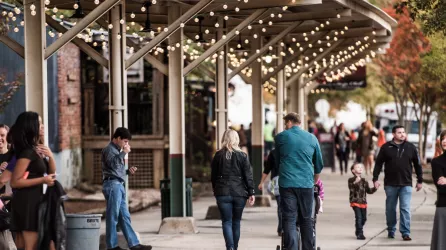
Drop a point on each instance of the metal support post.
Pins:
(36, 82)
(176, 120)
(301, 101)
(118, 74)
(221, 102)
(280, 93)
(257, 117)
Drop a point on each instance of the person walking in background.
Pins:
(243, 139)
(367, 145)
(233, 184)
(273, 168)
(438, 241)
(249, 141)
(353, 143)
(268, 135)
(299, 158)
(359, 188)
(342, 141)
(28, 176)
(399, 157)
(114, 173)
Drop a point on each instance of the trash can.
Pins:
(165, 198)
(83, 231)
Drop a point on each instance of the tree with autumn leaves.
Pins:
(413, 70)
(399, 66)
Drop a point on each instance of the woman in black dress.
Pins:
(28, 176)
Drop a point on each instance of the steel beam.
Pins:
(150, 59)
(222, 42)
(36, 80)
(87, 49)
(174, 26)
(221, 96)
(319, 57)
(289, 60)
(280, 93)
(263, 49)
(257, 116)
(177, 135)
(96, 13)
(12, 44)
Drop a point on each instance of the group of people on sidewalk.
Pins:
(233, 184)
(36, 213)
(295, 164)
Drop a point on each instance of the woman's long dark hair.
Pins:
(25, 134)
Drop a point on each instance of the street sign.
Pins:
(356, 80)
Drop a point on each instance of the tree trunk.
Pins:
(420, 133)
(426, 132)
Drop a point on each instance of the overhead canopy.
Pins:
(327, 36)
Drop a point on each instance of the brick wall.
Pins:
(69, 84)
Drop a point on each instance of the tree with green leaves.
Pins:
(430, 13)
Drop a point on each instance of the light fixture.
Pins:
(79, 12)
(200, 38)
(147, 26)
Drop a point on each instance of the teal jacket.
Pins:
(299, 157)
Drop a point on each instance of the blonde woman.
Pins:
(233, 184)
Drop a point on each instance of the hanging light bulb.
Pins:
(110, 26)
(211, 13)
(96, 2)
(55, 10)
(33, 12)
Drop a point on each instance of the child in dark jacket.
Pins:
(359, 188)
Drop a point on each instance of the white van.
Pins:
(386, 118)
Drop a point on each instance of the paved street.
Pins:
(335, 226)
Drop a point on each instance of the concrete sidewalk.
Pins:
(335, 227)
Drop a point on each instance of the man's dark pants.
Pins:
(297, 207)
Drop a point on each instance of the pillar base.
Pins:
(262, 201)
(213, 213)
(122, 242)
(178, 225)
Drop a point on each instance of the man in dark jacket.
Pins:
(399, 158)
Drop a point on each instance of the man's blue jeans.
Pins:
(404, 194)
(117, 212)
(231, 210)
(297, 207)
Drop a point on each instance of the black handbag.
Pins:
(5, 219)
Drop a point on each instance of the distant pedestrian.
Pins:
(233, 184)
(438, 241)
(367, 144)
(273, 168)
(359, 188)
(268, 134)
(342, 142)
(114, 172)
(399, 157)
(299, 157)
(248, 133)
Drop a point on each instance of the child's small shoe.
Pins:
(360, 237)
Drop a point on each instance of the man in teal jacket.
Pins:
(300, 162)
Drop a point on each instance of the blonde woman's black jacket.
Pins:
(231, 174)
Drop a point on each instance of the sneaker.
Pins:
(279, 234)
(118, 248)
(360, 237)
(407, 238)
(141, 247)
(391, 236)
